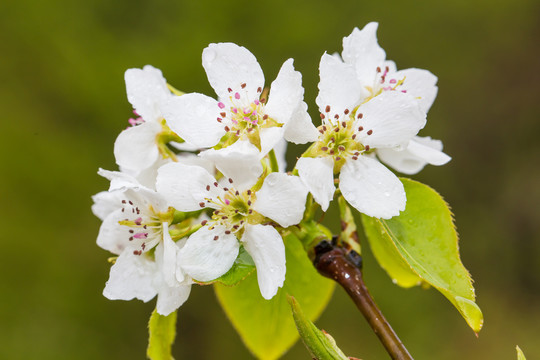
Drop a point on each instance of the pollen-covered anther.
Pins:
(370, 132)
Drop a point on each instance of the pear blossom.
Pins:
(136, 148)
(351, 129)
(136, 228)
(242, 113)
(241, 215)
(376, 75)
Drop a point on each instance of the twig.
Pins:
(345, 269)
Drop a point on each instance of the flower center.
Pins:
(244, 119)
(339, 137)
(384, 82)
(142, 225)
(233, 209)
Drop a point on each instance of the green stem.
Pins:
(334, 263)
(273, 161)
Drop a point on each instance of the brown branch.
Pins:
(345, 269)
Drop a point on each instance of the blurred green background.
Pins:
(63, 103)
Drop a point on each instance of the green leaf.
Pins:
(321, 346)
(421, 246)
(242, 267)
(162, 331)
(520, 355)
(266, 326)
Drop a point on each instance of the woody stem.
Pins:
(335, 264)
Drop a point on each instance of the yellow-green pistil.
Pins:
(337, 138)
(233, 209)
(245, 120)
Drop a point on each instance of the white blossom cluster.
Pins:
(202, 177)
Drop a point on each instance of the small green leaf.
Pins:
(242, 267)
(162, 331)
(421, 245)
(520, 355)
(266, 326)
(321, 346)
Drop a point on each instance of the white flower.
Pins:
(240, 213)
(351, 127)
(133, 224)
(376, 75)
(136, 147)
(241, 113)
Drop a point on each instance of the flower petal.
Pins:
(393, 118)
(185, 186)
(300, 128)
(206, 259)
(338, 87)
(429, 150)
(171, 298)
(282, 198)
(112, 236)
(266, 247)
(105, 203)
(131, 277)
(371, 188)
(286, 93)
(166, 253)
(420, 84)
(146, 89)
(136, 148)
(194, 118)
(270, 137)
(239, 161)
(362, 50)
(228, 66)
(318, 175)
(419, 153)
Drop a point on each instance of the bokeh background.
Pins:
(63, 102)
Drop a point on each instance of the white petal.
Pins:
(318, 175)
(131, 277)
(282, 198)
(338, 87)
(120, 180)
(280, 151)
(419, 83)
(269, 139)
(300, 128)
(194, 118)
(206, 259)
(419, 153)
(286, 94)
(195, 160)
(371, 188)
(146, 89)
(393, 117)
(265, 246)
(239, 161)
(147, 177)
(166, 253)
(112, 236)
(429, 150)
(136, 148)
(362, 50)
(105, 203)
(171, 298)
(185, 186)
(228, 65)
